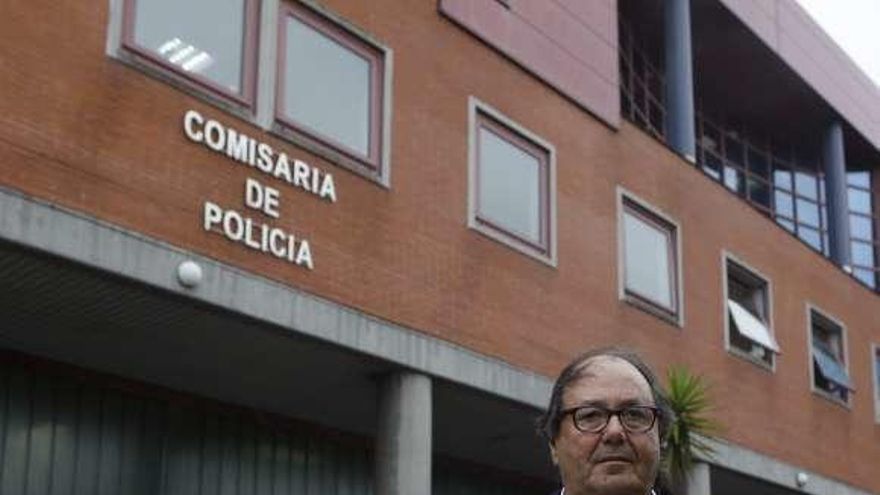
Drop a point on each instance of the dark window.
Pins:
(331, 84)
(209, 42)
(830, 376)
(642, 88)
(512, 185)
(650, 260)
(748, 315)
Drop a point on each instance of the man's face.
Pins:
(613, 461)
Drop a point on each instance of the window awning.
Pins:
(751, 327)
(831, 369)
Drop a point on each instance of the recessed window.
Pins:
(209, 42)
(331, 86)
(830, 375)
(649, 259)
(875, 356)
(747, 308)
(511, 189)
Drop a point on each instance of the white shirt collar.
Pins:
(563, 491)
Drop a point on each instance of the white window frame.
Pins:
(317, 142)
(476, 107)
(678, 318)
(261, 112)
(810, 309)
(726, 258)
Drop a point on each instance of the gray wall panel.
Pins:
(61, 436)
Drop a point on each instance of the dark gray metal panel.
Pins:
(59, 436)
(64, 440)
(109, 460)
(41, 432)
(15, 441)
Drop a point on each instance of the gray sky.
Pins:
(855, 26)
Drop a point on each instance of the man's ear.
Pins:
(553, 456)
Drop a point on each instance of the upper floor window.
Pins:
(331, 85)
(511, 183)
(209, 42)
(649, 255)
(749, 330)
(862, 219)
(828, 349)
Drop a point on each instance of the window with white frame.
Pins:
(211, 43)
(649, 259)
(511, 184)
(325, 84)
(747, 308)
(331, 85)
(828, 349)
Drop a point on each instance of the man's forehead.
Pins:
(609, 379)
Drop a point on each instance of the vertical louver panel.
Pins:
(63, 436)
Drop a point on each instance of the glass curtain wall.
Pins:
(782, 181)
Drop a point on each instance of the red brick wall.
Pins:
(571, 45)
(89, 133)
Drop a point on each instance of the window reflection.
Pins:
(327, 86)
(202, 37)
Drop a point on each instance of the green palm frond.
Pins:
(690, 401)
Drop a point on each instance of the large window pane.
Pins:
(862, 254)
(805, 185)
(860, 179)
(758, 163)
(807, 212)
(712, 166)
(786, 224)
(734, 151)
(784, 204)
(861, 227)
(859, 201)
(733, 179)
(203, 37)
(327, 87)
(759, 192)
(865, 276)
(509, 186)
(810, 236)
(782, 179)
(647, 250)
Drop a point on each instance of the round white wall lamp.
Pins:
(189, 274)
(801, 479)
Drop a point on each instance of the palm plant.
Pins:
(688, 395)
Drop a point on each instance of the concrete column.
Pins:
(834, 159)
(403, 442)
(698, 483)
(680, 134)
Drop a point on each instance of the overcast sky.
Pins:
(855, 25)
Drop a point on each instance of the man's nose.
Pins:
(614, 430)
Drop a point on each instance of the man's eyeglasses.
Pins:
(594, 419)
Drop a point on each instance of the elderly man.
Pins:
(605, 423)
